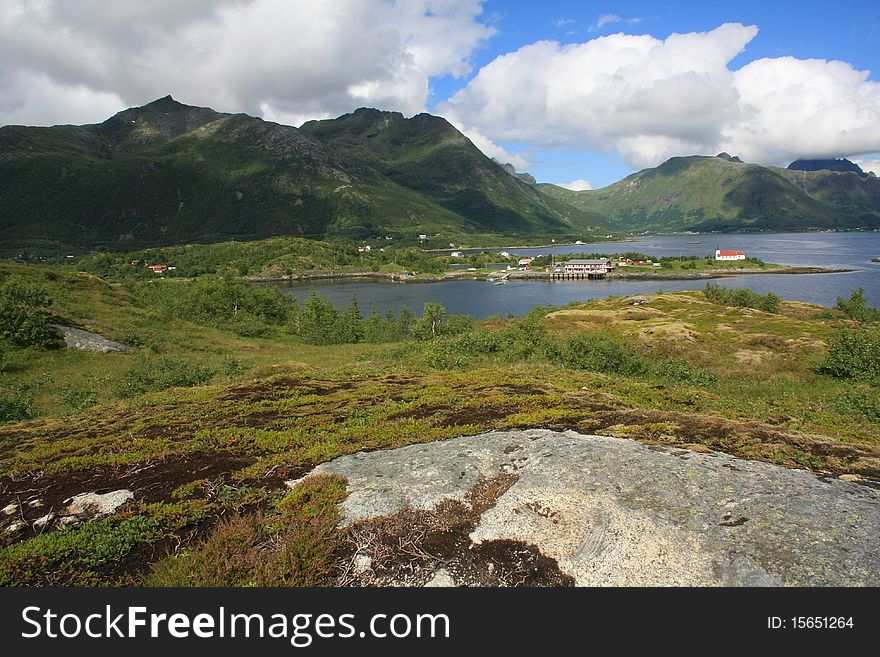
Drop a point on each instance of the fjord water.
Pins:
(481, 299)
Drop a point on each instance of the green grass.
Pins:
(252, 412)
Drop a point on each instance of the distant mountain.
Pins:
(168, 173)
(827, 165)
(427, 155)
(723, 193)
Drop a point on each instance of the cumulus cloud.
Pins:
(578, 185)
(649, 99)
(285, 59)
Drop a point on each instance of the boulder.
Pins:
(616, 512)
(95, 505)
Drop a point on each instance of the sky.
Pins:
(576, 93)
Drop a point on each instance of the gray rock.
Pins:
(617, 512)
(43, 522)
(15, 527)
(76, 338)
(362, 564)
(96, 505)
(440, 579)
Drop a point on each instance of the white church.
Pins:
(729, 255)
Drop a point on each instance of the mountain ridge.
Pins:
(168, 173)
(723, 193)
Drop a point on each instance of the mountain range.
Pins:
(168, 173)
(723, 193)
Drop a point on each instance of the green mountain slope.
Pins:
(167, 173)
(428, 155)
(724, 194)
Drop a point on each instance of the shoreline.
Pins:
(530, 275)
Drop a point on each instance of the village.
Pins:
(500, 267)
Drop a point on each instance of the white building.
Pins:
(586, 266)
(729, 255)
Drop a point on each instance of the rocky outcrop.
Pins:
(76, 338)
(616, 512)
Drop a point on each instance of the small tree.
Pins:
(351, 327)
(319, 321)
(857, 308)
(428, 326)
(22, 318)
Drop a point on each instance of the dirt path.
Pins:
(615, 512)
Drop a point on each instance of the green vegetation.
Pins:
(278, 257)
(294, 544)
(206, 422)
(857, 308)
(722, 194)
(167, 174)
(854, 354)
(22, 316)
(742, 298)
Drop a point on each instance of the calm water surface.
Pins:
(482, 299)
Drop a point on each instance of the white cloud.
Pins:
(490, 148)
(649, 99)
(281, 58)
(610, 19)
(562, 22)
(578, 185)
(871, 163)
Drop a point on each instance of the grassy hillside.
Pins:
(167, 173)
(428, 155)
(204, 421)
(723, 194)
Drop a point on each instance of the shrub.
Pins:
(861, 400)
(16, 403)
(294, 545)
(854, 354)
(22, 318)
(319, 321)
(857, 308)
(680, 371)
(742, 298)
(151, 375)
(217, 301)
(601, 353)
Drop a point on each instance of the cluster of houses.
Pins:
(161, 269)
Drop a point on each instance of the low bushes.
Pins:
(22, 315)
(742, 298)
(292, 545)
(854, 353)
(601, 353)
(152, 375)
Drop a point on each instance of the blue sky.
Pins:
(577, 93)
(848, 30)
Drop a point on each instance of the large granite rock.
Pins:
(618, 512)
(76, 338)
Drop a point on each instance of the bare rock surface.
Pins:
(96, 505)
(618, 513)
(76, 338)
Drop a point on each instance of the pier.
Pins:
(563, 276)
